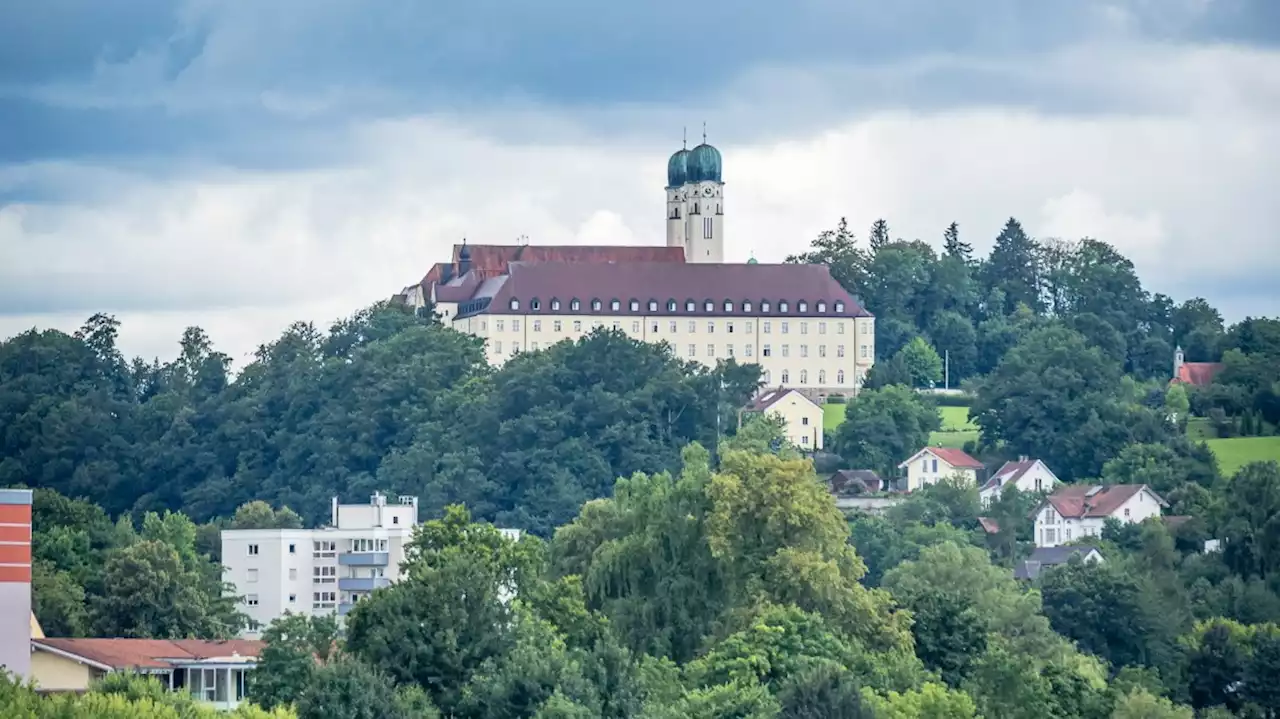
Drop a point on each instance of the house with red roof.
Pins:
(932, 464)
(1081, 510)
(1027, 474)
(1197, 374)
(214, 672)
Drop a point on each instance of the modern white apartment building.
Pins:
(318, 571)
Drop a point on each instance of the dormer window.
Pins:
(710, 306)
(764, 306)
(839, 306)
(635, 305)
(653, 305)
(534, 304)
(822, 306)
(746, 306)
(690, 306)
(728, 305)
(514, 304)
(595, 305)
(803, 306)
(555, 305)
(575, 305)
(615, 305)
(782, 306)
(671, 305)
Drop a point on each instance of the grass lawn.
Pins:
(1234, 453)
(956, 419)
(832, 415)
(954, 440)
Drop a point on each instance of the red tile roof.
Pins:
(1009, 472)
(954, 457)
(1198, 373)
(667, 281)
(151, 653)
(1081, 500)
(989, 525)
(492, 260)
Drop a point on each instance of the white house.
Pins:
(801, 416)
(1028, 475)
(1082, 510)
(932, 464)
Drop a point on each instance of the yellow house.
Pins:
(933, 464)
(801, 416)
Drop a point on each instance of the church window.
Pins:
(595, 305)
(653, 305)
(822, 376)
(635, 305)
(555, 305)
(786, 376)
(782, 306)
(803, 306)
(695, 208)
(690, 306)
(514, 304)
(709, 306)
(615, 305)
(575, 305)
(804, 376)
(534, 304)
(839, 307)
(707, 227)
(746, 306)
(728, 305)
(822, 306)
(718, 212)
(839, 376)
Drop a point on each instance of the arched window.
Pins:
(782, 306)
(822, 376)
(764, 305)
(839, 376)
(534, 304)
(555, 305)
(839, 306)
(822, 306)
(728, 305)
(804, 376)
(710, 306)
(595, 305)
(615, 305)
(746, 306)
(803, 306)
(671, 305)
(767, 375)
(690, 306)
(653, 305)
(514, 304)
(575, 305)
(635, 305)
(786, 376)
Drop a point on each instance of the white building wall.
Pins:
(1052, 529)
(803, 352)
(929, 469)
(802, 420)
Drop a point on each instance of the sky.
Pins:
(241, 166)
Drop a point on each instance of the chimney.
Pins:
(335, 512)
(1023, 458)
(15, 581)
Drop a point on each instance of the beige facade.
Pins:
(807, 353)
(54, 672)
(801, 417)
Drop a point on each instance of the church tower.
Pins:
(695, 203)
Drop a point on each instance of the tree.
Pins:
(1013, 267)
(260, 515)
(954, 247)
(883, 427)
(1100, 607)
(1176, 404)
(1216, 659)
(349, 689)
(948, 633)
(931, 701)
(878, 237)
(1140, 704)
(838, 250)
(955, 337)
(1251, 520)
(297, 645)
(923, 364)
(824, 691)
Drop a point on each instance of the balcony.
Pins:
(345, 607)
(363, 559)
(362, 584)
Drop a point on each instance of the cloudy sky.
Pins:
(240, 165)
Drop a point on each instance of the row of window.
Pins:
(803, 377)
(329, 548)
(766, 326)
(633, 305)
(766, 350)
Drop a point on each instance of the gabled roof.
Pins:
(989, 525)
(768, 398)
(1198, 373)
(1049, 557)
(148, 653)
(854, 481)
(954, 457)
(1012, 472)
(490, 260)
(1084, 501)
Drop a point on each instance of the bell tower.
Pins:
(695, 203)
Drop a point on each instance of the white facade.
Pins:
(318, 571)
(934, 464)
(831, 355)
(695, 220)
(1037, 477)
(801, 417)
(1054, 528)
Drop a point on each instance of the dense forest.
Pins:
(716, 578)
